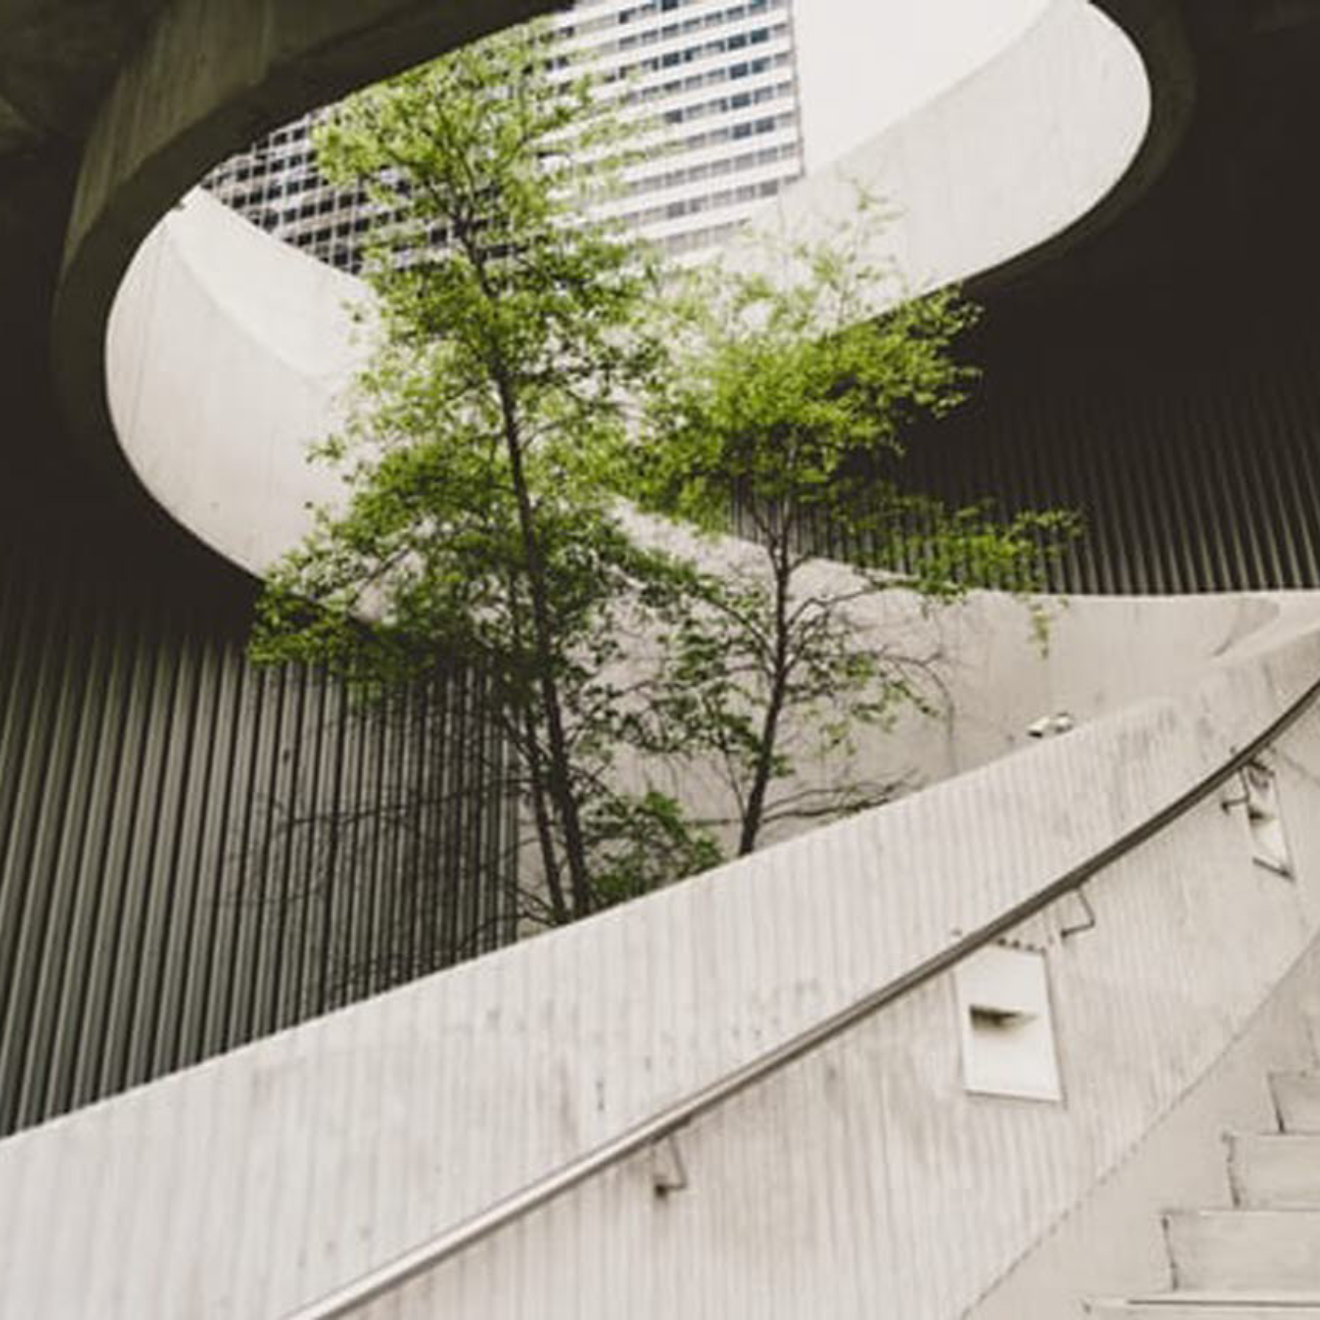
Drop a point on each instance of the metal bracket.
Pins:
(668, 1172)
(1228, 803)
(1079, 927)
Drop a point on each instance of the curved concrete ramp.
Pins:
(998, 163)
(208, 79)
(1003, 161)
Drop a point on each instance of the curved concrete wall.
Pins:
(207, 80)
(1001, 162)
(280, 327)
(227, 353)
(892, 59)
(1004, 160)
(863, 1177)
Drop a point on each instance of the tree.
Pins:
(509, 333)
(786, 411)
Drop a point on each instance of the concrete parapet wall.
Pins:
(209, 78)
(862, 1181)
(1018, 150)
(1000, 162)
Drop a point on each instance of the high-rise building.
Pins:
(717, 88)
(715, 85)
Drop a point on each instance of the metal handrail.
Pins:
(668, 1121)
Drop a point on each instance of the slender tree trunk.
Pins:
(521, 715)
(558, 778)
(765, 754)
(541, 816)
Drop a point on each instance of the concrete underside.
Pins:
(1208, 241)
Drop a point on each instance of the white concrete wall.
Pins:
(281, 350)
(863, 1182)
(864, 64)
(991, 677)
(1113, 1245)
(1009, 156)
(227, 355)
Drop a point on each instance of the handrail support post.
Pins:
(668, 1171)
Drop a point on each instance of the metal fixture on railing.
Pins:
(657, 1133)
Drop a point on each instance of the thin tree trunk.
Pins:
(754, 815)
(544, 834)
(520, 712)
(559, 780)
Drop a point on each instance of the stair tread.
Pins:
(1244, 1211)
(1251, 1304)
(1223, 1297)
(1301, 1138)
(1247, 1310)
(1245, 1250)
(1274, 1171)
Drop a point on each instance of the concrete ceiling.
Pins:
(1229, 190)
(57, 60)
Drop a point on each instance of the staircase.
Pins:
(1259, 1260)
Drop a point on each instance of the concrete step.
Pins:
(1297, 1100)
(1277, 1171)
(1255, 1305)
(1236, 1250)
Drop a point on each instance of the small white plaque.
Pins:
(1007, 1030)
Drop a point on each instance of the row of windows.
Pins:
(723, 105)
(733, 42)
(624, 17)
(265, 187)
(672, 31)
(276, 184)
(724, 73)
(713, 169)
(319, 199)
(714, 137)
(339, 244)
(747, 192)
(352, 213)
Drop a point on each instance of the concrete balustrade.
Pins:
(864, 1176)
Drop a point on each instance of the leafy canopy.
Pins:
(793, 385)
(510, 334)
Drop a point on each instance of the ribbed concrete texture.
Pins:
(195, 852)
(1260, 1258)
(863, 1183)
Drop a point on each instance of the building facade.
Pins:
(715, 86)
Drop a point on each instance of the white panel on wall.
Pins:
(1007, 1033)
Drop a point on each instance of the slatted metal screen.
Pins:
(195, 852)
